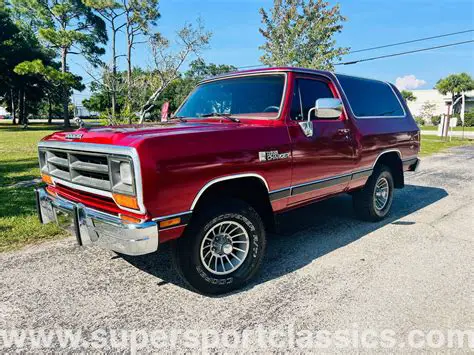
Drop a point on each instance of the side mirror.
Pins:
(323, 108)
(327, 108)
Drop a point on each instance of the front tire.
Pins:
(374, 200)
(222, 248)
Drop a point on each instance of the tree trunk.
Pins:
(21, 106)
(13, 107)
(129, 80)
(150, 104)
(50, 111)
(65, 90)
(114, 73)
(25, 110)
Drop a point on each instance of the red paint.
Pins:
(178, 159)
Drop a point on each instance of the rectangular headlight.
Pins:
(121, 171)
(126, 173)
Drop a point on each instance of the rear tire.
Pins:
(374, 200)
(222, 248)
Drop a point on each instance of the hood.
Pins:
(131, 135)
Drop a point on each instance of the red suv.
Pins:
(242, 148)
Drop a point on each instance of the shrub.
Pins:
(419, 121)
(469, 119)
(436, 120)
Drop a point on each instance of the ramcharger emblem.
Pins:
(74, 136)
(272, 155)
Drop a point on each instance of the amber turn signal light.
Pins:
(126, 201)
(52, 193)
(170, 222)
(47, 179)
(130, 219)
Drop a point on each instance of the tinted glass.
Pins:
(305, 94)
(369, 98)
(258, 95)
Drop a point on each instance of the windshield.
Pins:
(257, 96)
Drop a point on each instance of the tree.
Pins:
(140, 15)
(168, 61)
(54, 78)
(199, 70)
(20, 92)
(10, 46)
(427, 110)
(111, 12)
(143, 82)
(180, 88)
(408, 95)
(69, 27)
(455, 84)
(301, 33)
(111, 84)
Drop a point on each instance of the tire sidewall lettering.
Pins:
(252, 256)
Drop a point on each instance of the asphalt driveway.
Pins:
(327, 272)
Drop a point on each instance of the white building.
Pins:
(438, 101)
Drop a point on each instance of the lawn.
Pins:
(18, 162)
(434, 144)
(456, 129)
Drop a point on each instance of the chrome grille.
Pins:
(101, 169)
(82, 168)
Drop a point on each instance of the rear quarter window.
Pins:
(370, 98)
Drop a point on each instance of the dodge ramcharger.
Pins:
(242, 149)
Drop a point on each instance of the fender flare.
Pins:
(225, 178)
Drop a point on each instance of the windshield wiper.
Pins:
(217, 114)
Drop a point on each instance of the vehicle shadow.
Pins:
(306, 234)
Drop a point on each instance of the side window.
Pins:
(305, 94)
(370, 98)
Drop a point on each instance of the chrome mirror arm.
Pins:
(309, 113)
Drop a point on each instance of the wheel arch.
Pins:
(393, 160)
(252, 188)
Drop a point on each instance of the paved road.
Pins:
(327, 272)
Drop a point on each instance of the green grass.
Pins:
(456, 129)
(434, 144)
(19, 223)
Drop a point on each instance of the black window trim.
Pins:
(370, 117)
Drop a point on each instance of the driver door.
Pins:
(322, 162)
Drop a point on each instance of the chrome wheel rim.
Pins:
(224, 248)
(381, 194)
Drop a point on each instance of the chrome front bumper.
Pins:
(95, 227)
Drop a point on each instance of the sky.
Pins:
(235, 40)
